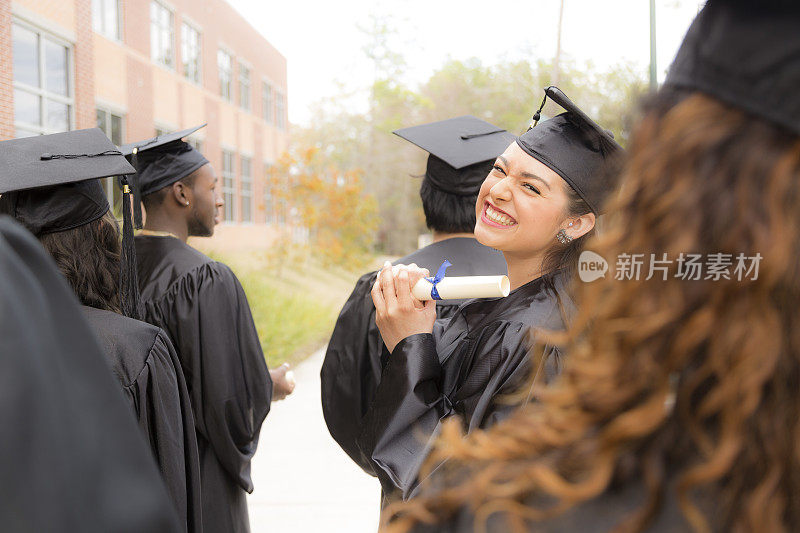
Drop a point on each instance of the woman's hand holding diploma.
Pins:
(397, 313)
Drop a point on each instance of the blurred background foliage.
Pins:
(357, 185)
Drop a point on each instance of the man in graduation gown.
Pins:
(71, 458)
(203, 308)
(462, 151)
(60, 200)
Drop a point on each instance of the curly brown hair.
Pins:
(89, 257)
(692, 385)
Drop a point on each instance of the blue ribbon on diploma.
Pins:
(437, 278)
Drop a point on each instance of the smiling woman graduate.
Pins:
(537, 206)
(51, 185)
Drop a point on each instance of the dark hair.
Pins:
(564, 257)
(156, 198)
(89, 257)
(445, 212)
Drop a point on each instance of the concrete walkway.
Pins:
(303, 481)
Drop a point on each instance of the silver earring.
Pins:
(562, 237)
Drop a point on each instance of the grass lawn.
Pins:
(294, 311)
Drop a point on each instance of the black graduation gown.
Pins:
(71, 457)
(461, 368)
(146, 365)
(202, 307)
(355, 356)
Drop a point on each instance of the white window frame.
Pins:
(44, 95)
(184, 46)
(109, 185)
(280, 110)
(246, 196)
(116, 36)
(229, 97)
(249, 93)
(156, 58)
(267, 101)
(229, 189)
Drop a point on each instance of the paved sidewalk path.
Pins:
(303, 481)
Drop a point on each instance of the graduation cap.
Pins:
(747, 54)
(161, 161)
(50, 183)
(461, 150)
(573, 146)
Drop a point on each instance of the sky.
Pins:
(323, 42)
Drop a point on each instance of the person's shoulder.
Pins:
(467, 256)
(179, 254)
(127, 343)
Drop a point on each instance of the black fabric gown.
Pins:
(461, 368)
(71, 457)
(202, 307)
(146, 365)
(356, 354)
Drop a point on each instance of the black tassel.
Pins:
(137, 192)
(538, 115)
(129, 285)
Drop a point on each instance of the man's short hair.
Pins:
(446, 212)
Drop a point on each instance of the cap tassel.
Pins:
(538, 115)
(129, 285)
(137, 193)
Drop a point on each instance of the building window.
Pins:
(228, 185)
(162, 35)
(225, 66)
(280, 111)
(190, 52)
(105, 18)
(246, 193)
(43, 101)
(111, 125)
(244, 87)
(266, 102)
(269, 197)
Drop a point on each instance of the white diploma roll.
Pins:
(457, 288)
(290, 378)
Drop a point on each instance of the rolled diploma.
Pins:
(458, 288)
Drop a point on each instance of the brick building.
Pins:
(138, 68)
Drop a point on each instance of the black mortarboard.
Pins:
(163, 160)
(461, 151)
(50, 183)
(747, 54)
(573, 146)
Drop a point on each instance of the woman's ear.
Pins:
(580, 226)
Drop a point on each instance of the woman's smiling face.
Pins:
(521, 206)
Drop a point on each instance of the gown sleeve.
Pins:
(71, 457)
(417, 392)
(163, 409)
(351, 371)
(223, 363)
(352, 368)
(404, 417)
